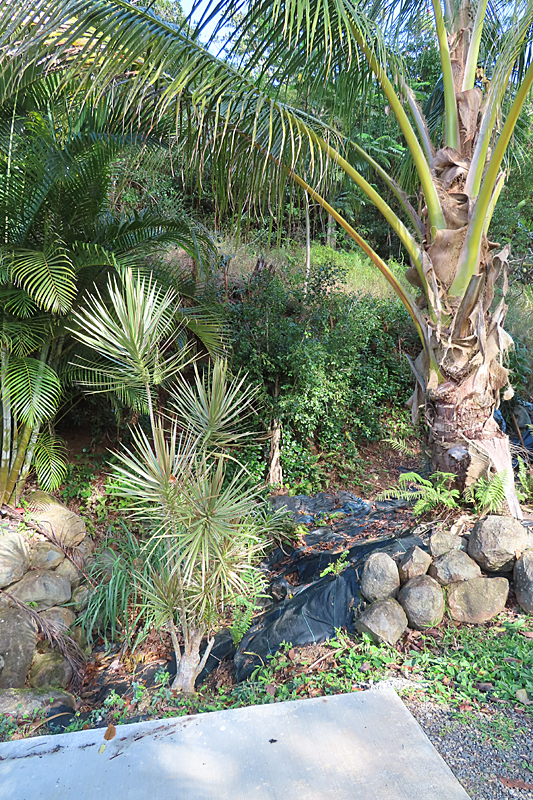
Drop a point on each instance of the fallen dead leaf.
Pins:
(110, 733)
(527, 634)
(513, 783)
(271, 689)
(521, 694)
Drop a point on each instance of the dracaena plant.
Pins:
(204, 530)
(234, 122)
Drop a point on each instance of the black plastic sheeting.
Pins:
(311, 615)
(315, 612)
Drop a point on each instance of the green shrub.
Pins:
(327, 362)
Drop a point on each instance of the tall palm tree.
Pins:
(238, 122)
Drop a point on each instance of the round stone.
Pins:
(423, 601)
(495, 541)
(384, 620)
(523, 581)
(14, 558)
(415, 562)
(454, 566)
(380, 578)
(478, 599)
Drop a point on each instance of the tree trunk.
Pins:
(189, 664)
(331, 238)
(275, 473)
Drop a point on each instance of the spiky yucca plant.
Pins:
(175, 477)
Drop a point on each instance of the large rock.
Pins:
(14, 558)
(63, 525)
(415, 562)
(454, 566)
(42, 589)
(69, 571)
(62, 618)
(18, 639)
(495, 541)
(26, 702)
(380, 578)
(478, 599)
(50, 669)
(423, 602)
(441, 543)
(80, 597)
(523, 581)
(45, 555)
(384, 620)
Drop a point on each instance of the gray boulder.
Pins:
(85, 550)
(478, 599)
(69, 571)
(380, 578)
(18, 639)
(384, 620)
(14, 558)
(45, 555)
(415, 562)
(26, 702)
(494, 542)
(62, 618)
(80, 598)
(453, 567)
(42, 588)
(441, 543)
(50, 669)
(63, 525)
(523, 581)
(423, 601)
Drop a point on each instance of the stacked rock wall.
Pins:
(469, 575)
(44, 572)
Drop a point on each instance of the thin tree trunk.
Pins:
(275, 472)
(331, 238)
(307, 244)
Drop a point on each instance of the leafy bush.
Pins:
(326, 361)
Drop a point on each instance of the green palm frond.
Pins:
(47, 276)
(33, 390)
(50, 460)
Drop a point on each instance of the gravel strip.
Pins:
(481, 748)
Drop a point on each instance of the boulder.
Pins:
(441, 543)
(495, 541)
(84, 550)
(64, 525)
(523, 581)
(62, 618)
(50, 669)
(454, 566)
(80, 598)
(45, 555)
(415, 562)
(42, 589)
(18, 639)
(69, 571)
(478, 599)
(26, 702)
(380, 578)
(423, 601)
(14, 558)
(384, 620)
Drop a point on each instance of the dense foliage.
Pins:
(328, 362)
